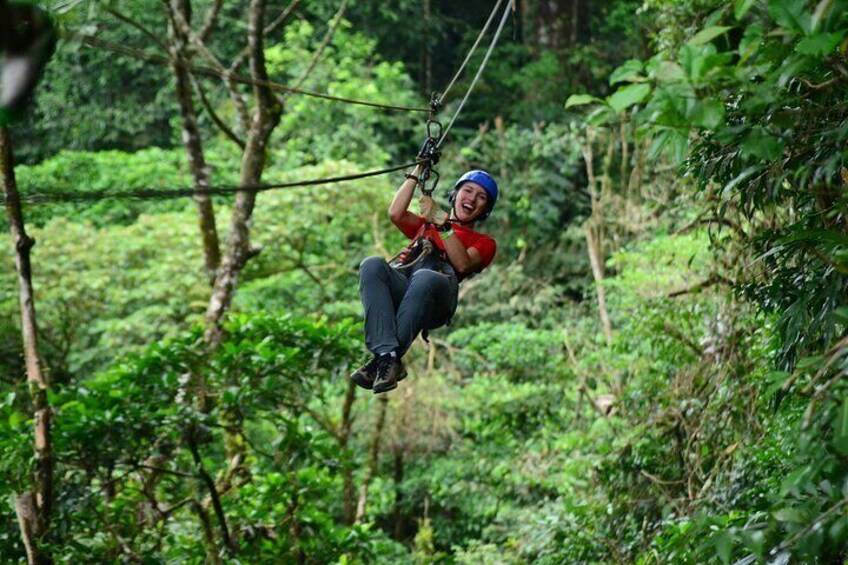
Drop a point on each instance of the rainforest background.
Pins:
(652, 371)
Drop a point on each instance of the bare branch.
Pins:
(226, 74)
(337, 18)
(211, 20)
(713, 279)
(681, 337)
(213, 115)
(279, 20)
(127, 20)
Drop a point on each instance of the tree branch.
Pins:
(280, 20)
(229, 133)
(337, 18)
(713, 279)
(127, 20)
(211, 20)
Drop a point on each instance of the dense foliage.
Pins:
(652, 371)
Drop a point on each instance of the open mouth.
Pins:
(468, 208)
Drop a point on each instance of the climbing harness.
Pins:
(415, 253)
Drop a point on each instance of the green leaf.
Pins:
(825, 236)
(599, 116)
(776, 381)
(841, 315)
(627, 96)
(631, 71)
(580, 100)
(791, 14)
(692, 62)
(750, 43)
(723, 545)
(791, 515)
(741, 7)
(820, 44)
(671, 141)
(707, 34)
(761, 145)
(822, 10)
(668, 71)
(707, 113)
(16, 419)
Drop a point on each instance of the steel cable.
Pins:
(208, 71)
(483, 31)
(479, 71)
(169, 193)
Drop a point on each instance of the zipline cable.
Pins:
(483, 31)
(208, 71)
(479, 71)
(169, 193)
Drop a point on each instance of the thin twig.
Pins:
(279, 20)
(211, 20)
(204, 101)
(337, 18)
(128, 20)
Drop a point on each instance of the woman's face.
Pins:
(471, 200)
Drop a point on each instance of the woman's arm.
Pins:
(464, 261)
(399, 209)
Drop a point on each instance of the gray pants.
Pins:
(399, 304)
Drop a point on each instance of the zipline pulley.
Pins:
(435, 104)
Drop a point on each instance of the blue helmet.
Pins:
(485, 180)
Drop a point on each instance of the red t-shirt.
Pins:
(469, 238)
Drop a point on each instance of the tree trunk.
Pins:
(294, 523)
(215, 498)
(33, 508)
(596, 258)
(348, 496)
(428, 51)
(212, 557)
(266, 116)
(575, 23)
(191, 136)
(374, 456)
(397, 511)
(594, 230)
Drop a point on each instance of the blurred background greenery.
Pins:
(650, 372)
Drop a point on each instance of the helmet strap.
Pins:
(454, 218)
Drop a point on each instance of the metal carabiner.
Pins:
(435, 103)
(430, 124)
(429, 191)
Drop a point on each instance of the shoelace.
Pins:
(384, 362)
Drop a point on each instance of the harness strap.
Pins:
(420, 248)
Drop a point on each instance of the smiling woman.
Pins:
(418, 291)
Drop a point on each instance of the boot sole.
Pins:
(361, 381)
(389, 386)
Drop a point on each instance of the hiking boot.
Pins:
(365, 375)
(390, 371)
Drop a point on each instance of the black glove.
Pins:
(446, 227)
